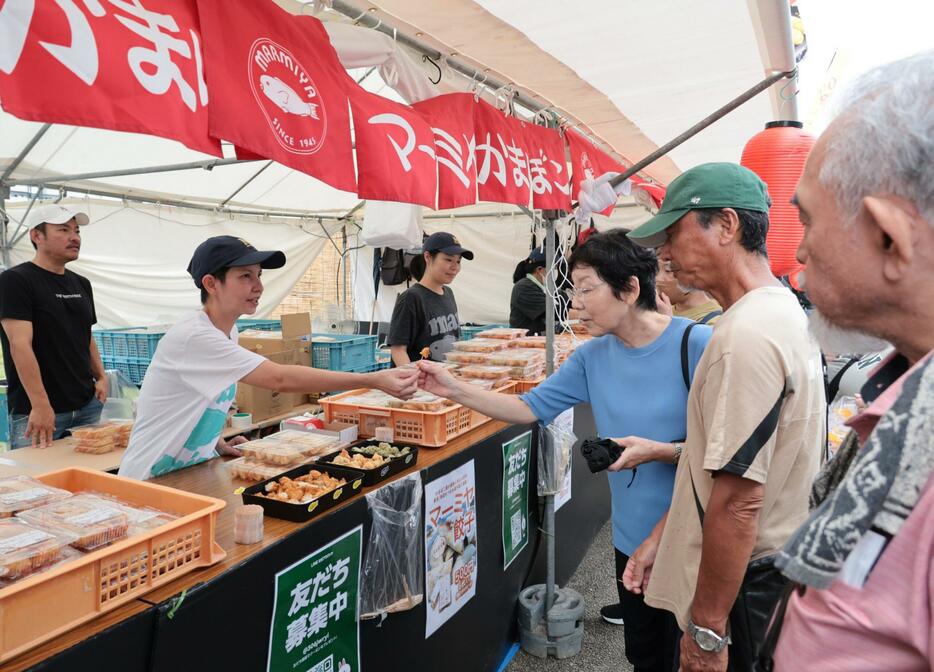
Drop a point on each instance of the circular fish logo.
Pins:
(288, 97)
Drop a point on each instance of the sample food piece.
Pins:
(18, 493)
(25, 547)
(248, 524)
(485, 372)
(359, 460)
(94, 521)
(505, 333)
(273, 453)
(518, 357)
(96, 439)
(462, 357)
(481, 345)
(387, 450)
(528, 342)
(248, 469)
(303, 489)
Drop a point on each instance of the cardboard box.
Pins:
(262, 403)
(295, 335)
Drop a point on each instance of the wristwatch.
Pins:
(707, 639)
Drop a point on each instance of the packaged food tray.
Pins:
(481, 345)
(18, 493)
(300, 513)
(92, 521)
(41, 607)
(390, 468)
(26, 547)
(505, 333)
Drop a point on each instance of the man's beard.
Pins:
(838, 341)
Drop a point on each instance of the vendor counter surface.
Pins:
(219, 617)
(60, 455)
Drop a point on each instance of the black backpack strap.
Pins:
(709, 316)
(685, 365)
(833, 386)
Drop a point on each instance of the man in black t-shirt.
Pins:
(55, 375)
(425, 315)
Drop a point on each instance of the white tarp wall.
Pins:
(135, 256)
(484, 285)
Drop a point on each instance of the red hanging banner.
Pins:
(395, 151)
(124, 65)
(451, 120)
(548, 168)
(278, 89)
(588, 162)
(502, 168)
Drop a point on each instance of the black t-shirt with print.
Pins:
(423, 318)
(61, 309)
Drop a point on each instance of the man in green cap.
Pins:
(755, 425)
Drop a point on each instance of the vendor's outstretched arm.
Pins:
(435, 378)
(400, 383)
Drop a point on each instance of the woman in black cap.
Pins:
(192, 379)
(527, 303)
(424, 321)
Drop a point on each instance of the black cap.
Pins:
(447, 243)
(223, 251)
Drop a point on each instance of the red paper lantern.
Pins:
(777, 155)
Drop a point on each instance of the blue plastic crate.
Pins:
(469, 332)
(345, 352)
(262, 325)
(134, 368)
(141, 343)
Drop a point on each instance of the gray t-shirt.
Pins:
(422, 319)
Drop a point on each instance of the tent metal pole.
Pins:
(243, 186)
(4, 223)
(549, 522)
(22, 155)
(17, 236)
(153, 200)
(702, 124)
(350, 213)
(192, 165)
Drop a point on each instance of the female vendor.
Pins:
(425, 316)
(527, 302)
(192, 380)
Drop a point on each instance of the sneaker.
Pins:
(612, 613)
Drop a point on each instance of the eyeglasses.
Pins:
(582, 292)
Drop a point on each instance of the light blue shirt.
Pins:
(633, 392)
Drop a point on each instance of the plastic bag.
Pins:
(121, 398)
(555, 443)
(841, 410)
(393, 569)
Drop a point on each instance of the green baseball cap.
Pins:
(709, 185)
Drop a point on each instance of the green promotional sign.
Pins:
(516, 460)
(314, 615)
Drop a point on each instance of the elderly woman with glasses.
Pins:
(635, 374)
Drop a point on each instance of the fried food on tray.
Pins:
(303, 489)
(359, 460)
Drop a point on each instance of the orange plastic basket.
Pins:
(523, 386)
(41, 607)
(423, 428)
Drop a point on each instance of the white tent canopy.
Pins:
(631, 76)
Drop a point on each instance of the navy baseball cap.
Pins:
(224, 251)
(447, 243)
(537, 256)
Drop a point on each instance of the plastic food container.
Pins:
(505, 333)
(280, 454)
(95, 438)
(25, 548)
(342, 484)
(486, 372)
(519, 357)
(462, 357)
(308, 444)
(92, 520)
(528, 342)
(527, 372)
(248, 469)
(481, 345)
(397, 458)
(19, 493)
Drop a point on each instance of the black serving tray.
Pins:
(374, 476)
(299, 513)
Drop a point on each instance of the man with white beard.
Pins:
(863, 592)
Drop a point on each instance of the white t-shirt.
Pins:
(187, 391)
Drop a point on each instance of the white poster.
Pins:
(566, 422)
(450, 545)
